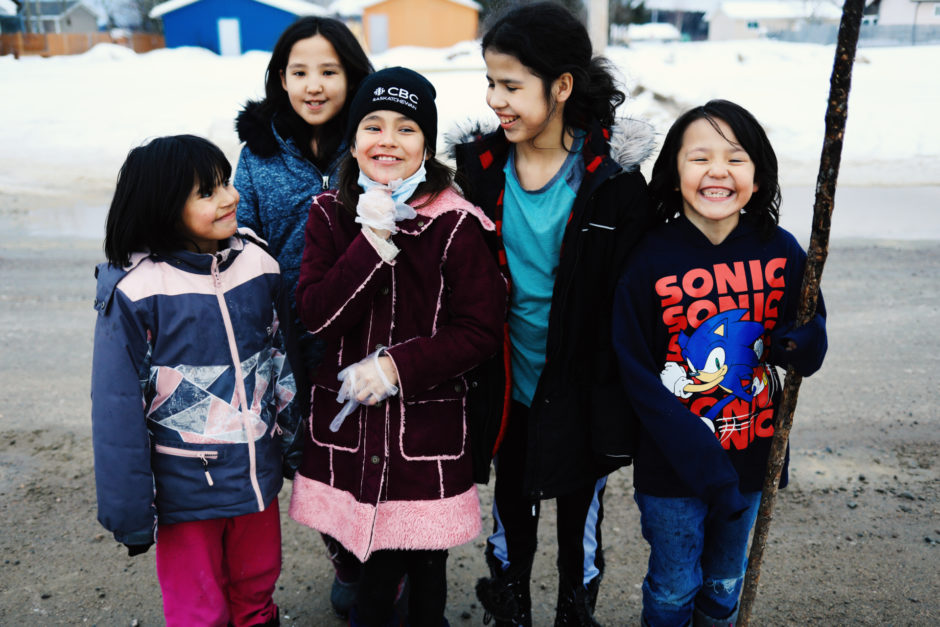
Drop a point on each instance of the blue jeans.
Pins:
(694, 562)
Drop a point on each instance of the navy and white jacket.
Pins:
(190, 388)
(694, 327)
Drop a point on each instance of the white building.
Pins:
(750, 19)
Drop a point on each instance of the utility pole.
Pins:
(29, 15)
(598, 24)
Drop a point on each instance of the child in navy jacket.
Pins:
(191, 389)
(703, 313)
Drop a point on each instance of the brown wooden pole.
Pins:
(836, 113)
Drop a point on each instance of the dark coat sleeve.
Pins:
(338, 275)
(123, 478)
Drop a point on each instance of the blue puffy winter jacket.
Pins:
(277, 185)
(191, 389)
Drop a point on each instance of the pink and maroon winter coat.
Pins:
(397, 475)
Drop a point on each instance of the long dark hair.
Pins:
(764, 206)
(152, 188)
(549, 40)
(276, 103)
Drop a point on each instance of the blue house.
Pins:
(229, 27)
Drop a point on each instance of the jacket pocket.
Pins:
(613, 426)
(197, 455)
(433, 424)
(323, 408)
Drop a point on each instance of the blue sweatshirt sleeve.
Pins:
(804, 348)
(690, 448)
(123, 478)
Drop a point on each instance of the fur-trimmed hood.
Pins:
(631, 141)
(253, 125)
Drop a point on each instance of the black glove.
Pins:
(137, 549)
(801, 347)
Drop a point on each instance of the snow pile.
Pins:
(68, 122)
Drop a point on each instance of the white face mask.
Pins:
(401, 190)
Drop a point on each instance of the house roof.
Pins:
(355, 7)
(297, 7)
(54, 8)
(690, 6)
(770, 9)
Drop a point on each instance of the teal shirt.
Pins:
(533, 227)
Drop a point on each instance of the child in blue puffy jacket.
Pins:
(192, 393)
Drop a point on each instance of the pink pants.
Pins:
(220, 571)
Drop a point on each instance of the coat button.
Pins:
(384, 291)
(421, 223)
(374, 459)
(458, 387)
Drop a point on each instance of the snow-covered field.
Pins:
(66, 123)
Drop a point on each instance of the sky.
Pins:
(66, 123)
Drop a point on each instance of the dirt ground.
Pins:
(854, 540)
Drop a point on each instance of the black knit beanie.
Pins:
(395, 89)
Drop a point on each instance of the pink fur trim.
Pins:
(364, 528)
(450, 200)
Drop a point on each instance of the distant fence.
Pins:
(870, 35)
(52, 44)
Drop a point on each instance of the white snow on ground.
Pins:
(68, 122)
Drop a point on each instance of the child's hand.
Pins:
(801, 347)
(377, 379)
(137, 549)
(367, 382)
(376, 209)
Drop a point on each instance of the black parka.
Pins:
(580, 423)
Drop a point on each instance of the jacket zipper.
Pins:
(203, 456)
(239, 381)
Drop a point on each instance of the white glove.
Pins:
(673, 377)
(377, 209)
(363, 382)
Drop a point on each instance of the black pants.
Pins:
(516, 518)
(427, 582)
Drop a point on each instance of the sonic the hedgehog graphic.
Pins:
(721, 353)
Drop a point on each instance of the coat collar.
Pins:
(447, 201)
(110, 276)
(628, 144)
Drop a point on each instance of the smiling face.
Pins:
(209, 217)
(314, 80)
(388, 146)
(517, 96)
(716, 178)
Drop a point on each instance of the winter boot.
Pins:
(576, 604)
(701, 619)
(504, 595)
(343, 596)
